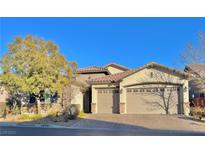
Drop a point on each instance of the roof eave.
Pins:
(124, 68)
(92, 72)
(100, 82)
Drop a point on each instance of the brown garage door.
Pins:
(108, 101)
(150, 100)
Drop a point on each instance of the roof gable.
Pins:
(198, 69)
(156, 65)
(118, 66)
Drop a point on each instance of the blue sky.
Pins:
(97, 41)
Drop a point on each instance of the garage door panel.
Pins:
(150, 100)
(108, 101)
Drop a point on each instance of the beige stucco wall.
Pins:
(144, 76)
(114, 70)
(160, 75)
(84, 77)
(95, 94)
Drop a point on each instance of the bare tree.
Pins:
(70, 92)
(197, 80)
(194, 54)
(164, 88)
(68, 95)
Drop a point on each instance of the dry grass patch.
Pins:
(81, 114)
(29, 117)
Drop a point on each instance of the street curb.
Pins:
(31, 125)
(54, 126)
(63, 127)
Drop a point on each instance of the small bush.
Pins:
(203, 112)
(72, 112)
(52, 112)
(44, 107)
(81, 114)
(16, 110)
(198, 112)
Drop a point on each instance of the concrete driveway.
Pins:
(139, 122)
(113, 125)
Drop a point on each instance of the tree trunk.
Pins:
(167, 111)
(38, 106)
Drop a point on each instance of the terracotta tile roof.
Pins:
(198, 69)
(101, 69)
(111, 78)
(119, 76)
(92, 69)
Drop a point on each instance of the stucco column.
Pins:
(121, 101)
(186, 106)
(93, 107)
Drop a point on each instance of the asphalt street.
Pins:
(34, 131)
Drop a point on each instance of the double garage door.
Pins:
(149, 100)
(153, 100)
(108, 100)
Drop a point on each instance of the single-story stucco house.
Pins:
(114, 88)
(117, 89)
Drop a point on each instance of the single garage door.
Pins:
(108, 100)
(150, 100)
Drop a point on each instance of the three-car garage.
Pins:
(151, 89)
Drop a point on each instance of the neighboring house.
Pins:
(136, 91)
(196, 81)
